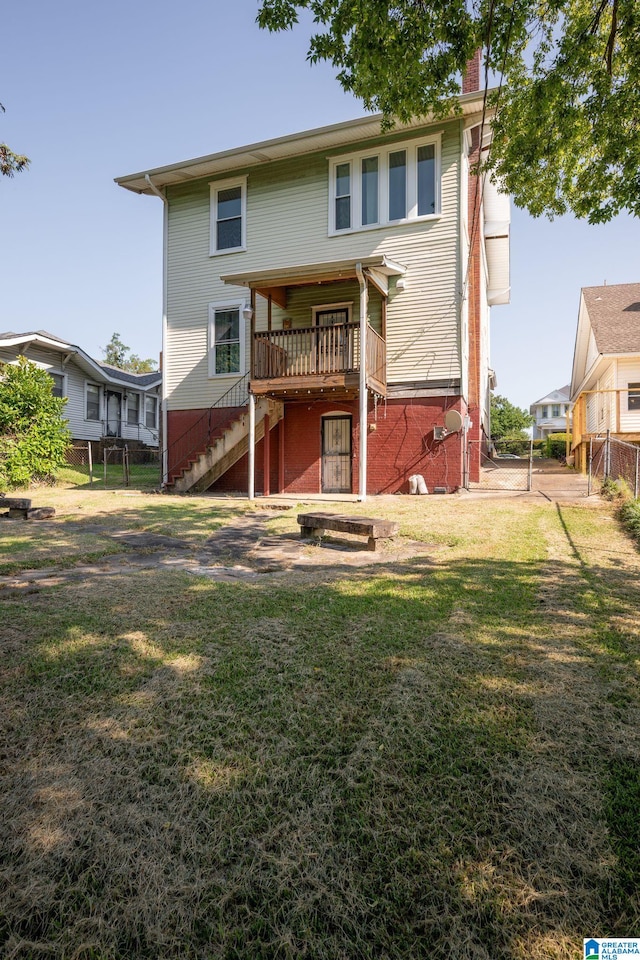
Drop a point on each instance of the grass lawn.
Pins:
(436, 758)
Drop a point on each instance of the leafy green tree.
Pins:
(34, 434)
(11, 162)
(117, 354)
(565, 106)
(507, 420)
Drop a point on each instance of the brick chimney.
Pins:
(471, 77)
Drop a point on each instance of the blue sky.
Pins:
(95, 91)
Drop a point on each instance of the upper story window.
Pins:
(545, 412)
(633, 397)
(228, 216)
(555, 410)
(383, 186)
(226, 339)
(93, 402)
(343, 196)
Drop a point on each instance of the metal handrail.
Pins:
(181, 449)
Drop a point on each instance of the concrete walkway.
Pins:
(556, 482)
(550, 480)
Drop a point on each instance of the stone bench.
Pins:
(20, 509)
(314, 524)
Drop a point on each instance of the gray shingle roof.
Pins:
(8, 335)
(614, 313)
(142, 379)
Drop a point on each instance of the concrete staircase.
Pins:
(206, 467)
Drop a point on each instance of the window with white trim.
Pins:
(555, 410)
(92, 395)
(57, 389)
(389, 185)
(633, 397)
(226, 339)
(133, 409)
(228, 216)
(151, 412)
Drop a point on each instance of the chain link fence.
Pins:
(507, 467)
(113, 467)
(614, 459)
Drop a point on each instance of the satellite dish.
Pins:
(452, 421)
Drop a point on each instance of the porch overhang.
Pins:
(273, 284)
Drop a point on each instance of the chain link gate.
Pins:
(509, 467)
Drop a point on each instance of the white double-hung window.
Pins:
(226, 339)
(57, 389)
(228, 216)
(133, 409)
(395, 184)
(92, 402)
(151, 412)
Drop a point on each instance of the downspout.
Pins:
(165, 268)
(364, 297)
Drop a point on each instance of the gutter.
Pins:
(362, 392)
(165, 266)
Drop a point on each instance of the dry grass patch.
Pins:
(400, 761)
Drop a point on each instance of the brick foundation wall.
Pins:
(400, 443)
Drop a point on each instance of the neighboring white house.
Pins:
(331, 291)
(550, 413)
(102, 400)
(605, 384)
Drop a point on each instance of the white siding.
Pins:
(592, 351)
(628, 372)
(287, 224)
(601, 406)
(75, 409)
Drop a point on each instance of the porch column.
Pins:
(252, 446)
(266, 460)
(364, 302)
(281, 454)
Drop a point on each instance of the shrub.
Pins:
(629, 514)
(33, 432)
(556, 445)
(615, 489)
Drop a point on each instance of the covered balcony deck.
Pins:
(322, 357)
(317, 359)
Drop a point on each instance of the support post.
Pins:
(362, 395)
(266, 459)
(252, 446)
(252, 335)
(281, 453)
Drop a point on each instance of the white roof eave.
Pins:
(84, 361)
(327, 138)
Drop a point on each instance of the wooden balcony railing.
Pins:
(310, 351)
(316, 352)
(376, 359)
